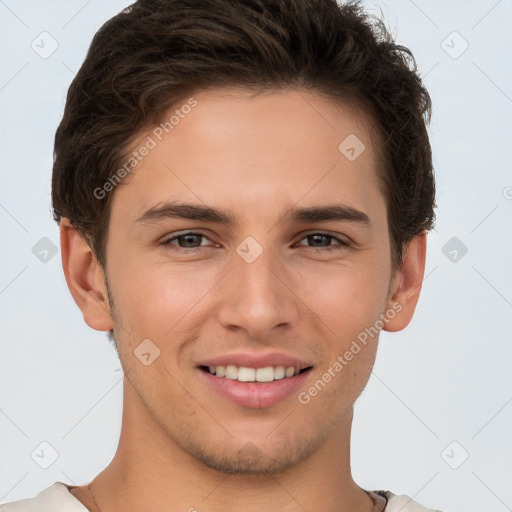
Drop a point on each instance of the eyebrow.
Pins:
(330, 212)
(219, 216)
(187, 211)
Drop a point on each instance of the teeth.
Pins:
(289, 371)
(265, 374)
(231, 372)
(245, 374)
(279, 372)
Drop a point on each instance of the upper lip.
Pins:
(256, 360)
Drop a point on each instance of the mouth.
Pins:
(253, 387)
(248, 374)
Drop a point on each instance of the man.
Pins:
(243, 190)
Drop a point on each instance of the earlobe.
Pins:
(85, 278)
(407, 283)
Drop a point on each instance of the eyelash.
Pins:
(330, 248)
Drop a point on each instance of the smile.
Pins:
(247, 374)
(254, 388)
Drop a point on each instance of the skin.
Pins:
(182, 445)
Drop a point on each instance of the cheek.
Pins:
(151, 299)
(346, 298)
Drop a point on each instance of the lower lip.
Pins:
(256, 395)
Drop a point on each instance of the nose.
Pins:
(258, 297)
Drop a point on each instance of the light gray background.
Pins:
(445, 378)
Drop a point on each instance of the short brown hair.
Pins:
(155, 52)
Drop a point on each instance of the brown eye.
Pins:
(320, 240)
(323, 240)
(187, 242)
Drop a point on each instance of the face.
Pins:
(247, 240)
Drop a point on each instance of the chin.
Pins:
(251, 460)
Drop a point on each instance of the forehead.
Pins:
(249, 148)
(296, 120)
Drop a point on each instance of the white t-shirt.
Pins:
(57, 498)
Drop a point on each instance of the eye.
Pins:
(187, 242)
(323, 241)
(193, 241)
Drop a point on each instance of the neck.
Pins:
(151, 472)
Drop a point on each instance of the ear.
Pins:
(85, 278)
(406, 284)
